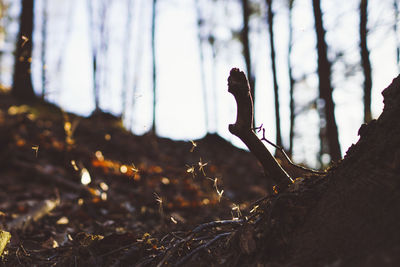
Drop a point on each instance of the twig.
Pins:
(258, 201)
(23, 221)
(243, 128)
(132, 246)
(172, 249)
(196, 250)
(300, 169)
(215, 224)
(166, 255)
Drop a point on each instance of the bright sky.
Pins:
(180, 108)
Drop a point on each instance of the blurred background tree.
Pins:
(22, 87)
(317, 51)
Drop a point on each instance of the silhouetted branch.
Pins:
(286, 163)
(243, 128)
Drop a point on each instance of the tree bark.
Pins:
(325, 87)
(22, 80)
(270, 18)
(365, 62)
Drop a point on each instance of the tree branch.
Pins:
(243, 128)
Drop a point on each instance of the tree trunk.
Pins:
(94, 57)
(22, 81)
(325, 87)
(366, 64)
(153, 53)
(43, 48)
(396, 19)
(273, 65)
(291, 81)
(200, 22)
(246, 48)
(126, 57)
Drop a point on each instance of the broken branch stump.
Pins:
(238, 86)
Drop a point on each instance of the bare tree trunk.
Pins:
(43, 52)
(94, 56)
(291, 81)
(366, 64)
(325, 87)
(153, 52)
(3, 26)
(270, 18)
(103, 59)
(66, 36)
(22, 80)
(396, 19)
(126, 56)
(246, 48)
(214, 82)
(138, 57)
(200, 22)
(99, 39)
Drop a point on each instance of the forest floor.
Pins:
(80, 191)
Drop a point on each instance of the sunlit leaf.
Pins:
(99, 155)
(14, 110)
(21, 142)
(104, 186)
(67, 126)
(73, 163)
(205, 201)
(4, 240)
(173, 220)
(123, 168)
(85, 177)
(275, 189)
(165, 180)
(63, 220)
